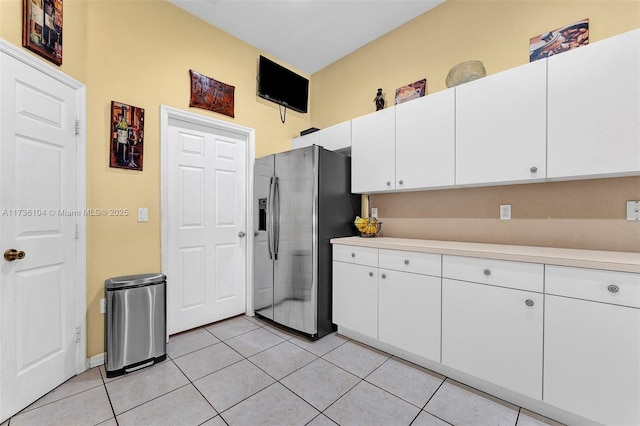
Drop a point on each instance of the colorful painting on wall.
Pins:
(559, 40)
(212, 95)
(127, 136)
(411, 91)
(42, 28)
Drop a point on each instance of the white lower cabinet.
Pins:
(494, 333)
(591, 361)
(409, 312)
(567, 336)
(355, 297)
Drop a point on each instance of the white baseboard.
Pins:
(96, 360)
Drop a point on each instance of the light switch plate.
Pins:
(505, 211)
(143, 214)
(103, 305)
(374, 212)
(633, 210)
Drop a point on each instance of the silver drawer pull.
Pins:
(406, 262)
(487, 272)
(384, 276)
(534, 169)
(370, 274)
(613, 288)
(353, 255)
(528, 302)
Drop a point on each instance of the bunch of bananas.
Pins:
(367, 226)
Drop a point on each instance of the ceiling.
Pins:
(307, 34)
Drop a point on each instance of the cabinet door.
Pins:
(336, 137)
(591, 353)
(501, 127)
(355, 298)
(306, 140)
(594, 105)
(492, 333)
(425, 142)
(409, 315)
(373, 152)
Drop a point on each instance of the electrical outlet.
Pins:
(374, 212)
(505, 212)
(143, 214)
(633, 210)
(103, 305)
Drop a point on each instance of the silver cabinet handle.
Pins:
(613, 288)
(528, 302)
(241, 234)
(384, 276)
(487, 272)
(388, 183)
(370, 274)
(534, 169)
(400, 181)
(406, 262)
(353, 255)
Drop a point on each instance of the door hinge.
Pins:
(77, 334)
(77, 231)
(77, 127)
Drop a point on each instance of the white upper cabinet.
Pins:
(594, 109)
(306, 140)
(425, 142)
(501, 127)
(334, 138)
(373, 152)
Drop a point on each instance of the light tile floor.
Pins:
(243, 371)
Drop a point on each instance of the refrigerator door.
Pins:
(296, 216)
(263, 253)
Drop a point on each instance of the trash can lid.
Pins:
(134, 281)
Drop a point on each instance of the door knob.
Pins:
(241, 234)
(13, 254)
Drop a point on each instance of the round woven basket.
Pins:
(465, 72)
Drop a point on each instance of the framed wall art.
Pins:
(127, 136)
(559, 40)
(212, 95)
(42, 28)
(411, 91)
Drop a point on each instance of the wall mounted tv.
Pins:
(282, 86)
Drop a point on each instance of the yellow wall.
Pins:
(140, 53)
(582, 214)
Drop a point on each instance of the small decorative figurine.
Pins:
(379, 100)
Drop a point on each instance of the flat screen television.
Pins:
(282, 86)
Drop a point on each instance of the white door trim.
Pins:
(81, 90)
(167, 113)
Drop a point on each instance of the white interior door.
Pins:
(40, 329)
(206, 253)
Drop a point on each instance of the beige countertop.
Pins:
(607, 260)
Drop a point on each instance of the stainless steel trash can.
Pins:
(136, 324)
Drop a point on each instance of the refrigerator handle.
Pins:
(270, 218)
(276, 217)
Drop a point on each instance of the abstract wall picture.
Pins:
(127, 136)
(210, 94)
(42, 28)
(411, 91)
(559, 40)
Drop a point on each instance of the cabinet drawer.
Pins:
(503, 273)
(618, 288)
(359, 255)
(408, 261)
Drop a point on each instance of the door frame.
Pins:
(168, 113)
(82, 363)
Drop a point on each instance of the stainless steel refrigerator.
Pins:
(302, 199)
